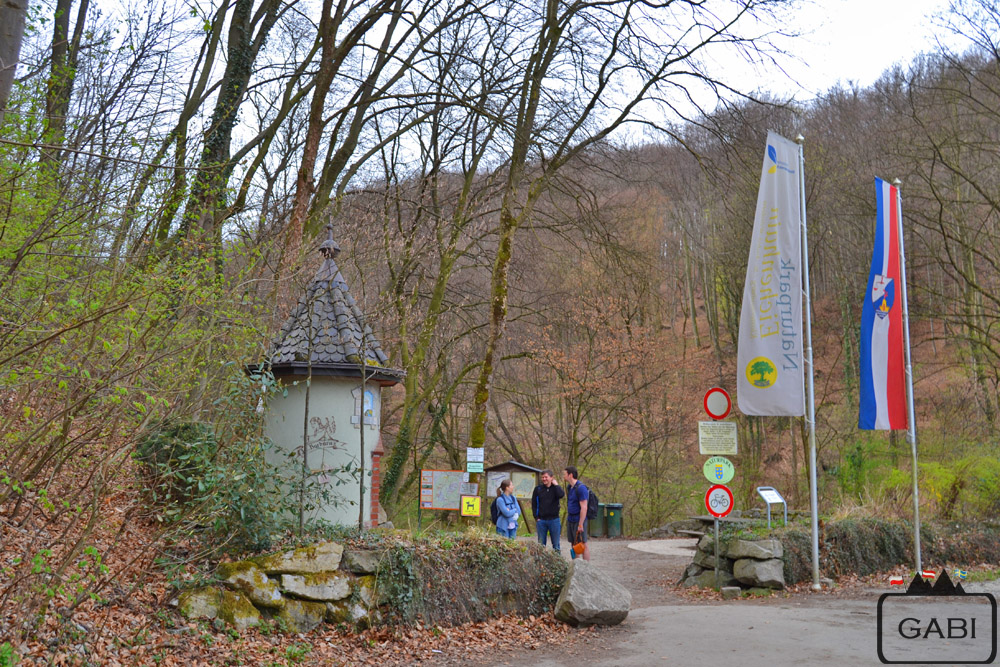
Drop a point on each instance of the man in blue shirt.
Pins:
(576, 511)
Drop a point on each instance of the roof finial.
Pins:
(329, 248)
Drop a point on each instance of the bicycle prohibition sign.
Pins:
(719, 501)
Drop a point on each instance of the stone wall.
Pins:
(297, 589)
(744, 563)
(443, 580)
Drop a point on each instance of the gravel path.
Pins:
(669, 627)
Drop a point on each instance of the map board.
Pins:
(493, 480)
(524, 484)
(441, 489)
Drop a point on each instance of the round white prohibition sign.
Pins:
(717, 403)
(719, 501)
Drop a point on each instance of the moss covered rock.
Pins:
(361, 561)
(200, 602)
(301, 615)
(236, 610)
(211, 602)
(322, 586)
(364, 587)
(247, 578)
(322, 557)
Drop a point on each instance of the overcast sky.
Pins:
(853, 40)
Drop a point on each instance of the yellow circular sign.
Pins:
(761, 372)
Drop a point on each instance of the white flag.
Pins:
(769, 374)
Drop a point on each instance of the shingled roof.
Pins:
(328, 326)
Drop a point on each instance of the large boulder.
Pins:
(351, 613)
(301, 615)
(762, 573)
(759, 549)
(361, 561)
(247, 578)
(691, 570)
(707, 561)
(200, 602)
(323, 586)
(365, 589)
(211, 602)
(706, 579)
(590, 597)
(322, 557)
(237, 611)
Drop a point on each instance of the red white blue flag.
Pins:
(883, 393)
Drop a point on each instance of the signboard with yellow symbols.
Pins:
(470, 506)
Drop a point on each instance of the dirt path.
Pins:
(668, 627)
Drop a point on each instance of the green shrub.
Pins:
(468, 578)
(8, 658)
(869, 546)
(178, 462)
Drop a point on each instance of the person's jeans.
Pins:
(512, 532)
(549, 527)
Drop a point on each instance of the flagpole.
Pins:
(911, 422)
(811, 398)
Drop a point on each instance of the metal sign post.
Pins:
(716, 522)
(719, 502)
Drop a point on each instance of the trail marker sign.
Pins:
(719, 501)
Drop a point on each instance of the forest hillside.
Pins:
(544, 214)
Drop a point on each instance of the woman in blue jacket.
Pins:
(509, 510)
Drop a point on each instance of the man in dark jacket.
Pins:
(545, 508)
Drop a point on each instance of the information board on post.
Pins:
(441, 489)
(770, 496)
(717, 438)
(493, 479)
(524, 484)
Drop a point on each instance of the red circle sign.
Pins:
(717, 403)
(719, 500)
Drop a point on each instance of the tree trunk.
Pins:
(208, 192)
(62, 75)
(304, 182)
(12, 15)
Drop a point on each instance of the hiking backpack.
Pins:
(592, 503)
(494, 510)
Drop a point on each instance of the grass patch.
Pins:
(983, 575)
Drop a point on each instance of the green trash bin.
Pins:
(595, 527)
(613, 520)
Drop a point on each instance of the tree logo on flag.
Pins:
(761, 372)
(883, 295)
